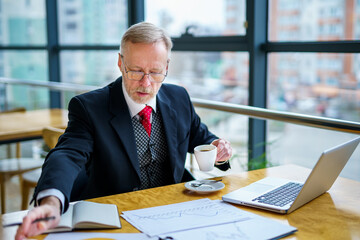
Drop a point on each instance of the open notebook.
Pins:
(88, 215)
(285, 196)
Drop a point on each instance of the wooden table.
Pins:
(28, 125)
(333, 215)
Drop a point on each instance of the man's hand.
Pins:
(50, 206)
(224, 150)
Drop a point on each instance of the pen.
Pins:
(35, 221)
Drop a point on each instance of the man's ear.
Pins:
(167, 65)
(119, 61)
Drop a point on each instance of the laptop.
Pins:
(283, 195)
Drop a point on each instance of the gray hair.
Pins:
(145, 32)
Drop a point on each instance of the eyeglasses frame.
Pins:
(149, 74)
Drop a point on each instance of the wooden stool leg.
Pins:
(8, 151)
(18, 150)
(25, 196)
(2, 185)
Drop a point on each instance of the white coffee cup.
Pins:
(205, 156)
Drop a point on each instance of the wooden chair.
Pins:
(29, 179)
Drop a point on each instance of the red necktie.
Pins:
(145, 119)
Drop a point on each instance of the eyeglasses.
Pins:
(139, 75)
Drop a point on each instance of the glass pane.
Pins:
(96, 68)
(221, 76)
(301, 145)
(92, 22)
(204, 17)
(324, 84)
(22, 22)
(314, 20)
(24, 65)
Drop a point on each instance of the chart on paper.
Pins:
(252, 229)
(183, 216)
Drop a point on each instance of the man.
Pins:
(123, 147)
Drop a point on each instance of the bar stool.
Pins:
(12, 167)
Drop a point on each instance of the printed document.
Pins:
(198, 214)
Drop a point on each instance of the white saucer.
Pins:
(207, 186)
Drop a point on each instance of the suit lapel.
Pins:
(122, 124)
(169, 118)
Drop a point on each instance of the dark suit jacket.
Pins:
(100, 137)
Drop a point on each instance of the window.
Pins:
(316, 20)
(220, 76)
(70, 11)
(29, 65)
(321, 79)
(315, 83)
(96, 68)
(200, 17)
(71, 26)
(23, 23)
(92, 22)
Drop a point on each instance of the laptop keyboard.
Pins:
(281, 195)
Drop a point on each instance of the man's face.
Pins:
(147, 58)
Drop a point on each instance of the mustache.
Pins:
(143, 90)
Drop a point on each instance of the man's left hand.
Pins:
(224, 150)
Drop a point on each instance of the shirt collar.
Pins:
(135, 107)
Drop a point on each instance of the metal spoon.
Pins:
(201, 183)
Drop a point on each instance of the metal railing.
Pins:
(254, 112)
(60, 86)
(295, 118)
